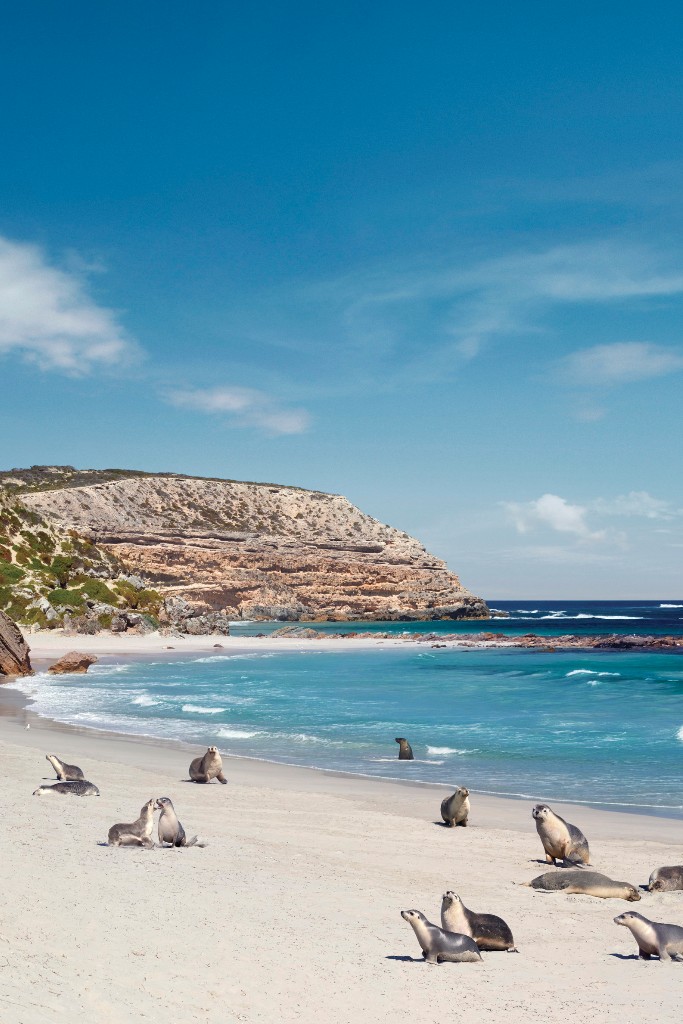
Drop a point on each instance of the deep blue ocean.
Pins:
(599, 728)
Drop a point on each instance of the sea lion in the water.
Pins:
(666, 879)
(588, 883)
(455, 809)
(439, 945)
(561, 841)
(65, 772)
(488, 931)
(80, 788)
(170, 829)
(137, 833)
(208, 767)
(405, 751)
(653, 937)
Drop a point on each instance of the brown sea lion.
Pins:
(488, 931)
(65, 772)
(137, 833)
(208, 767)
(666, 879)
(170, 829)
(405, 751)
(561, 841)
(586, 883)
(455, 809)
(653, 937)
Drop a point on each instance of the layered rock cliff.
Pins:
(14, 652)
(250, 550)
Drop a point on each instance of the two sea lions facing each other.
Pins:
(561, 840)
(79, 788)
(405, 751)
(666, 879)
(208, 767)
(171, 832)
(65, 772)
(490, 933)
(584, 883)
(439, 945)
(653, 937)
(455, 809)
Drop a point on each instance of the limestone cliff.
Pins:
(14, 652)
(251, 550)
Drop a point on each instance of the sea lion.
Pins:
(65, 772)
(405, 751)
(439, 945)
(561, 841)
(455, 809)
(666, 879)
(170, 829)
(664, 940)
(79, 788)
(488, 931)
(137, 833)
(208, 767)
(588, 883)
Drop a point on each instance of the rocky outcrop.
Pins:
(73, 663)
(14, 651)
(257, 551)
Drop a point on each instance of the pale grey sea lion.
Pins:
(137, 833)
(207, 767)
(170, 829)
(439, 945)
(588, 883)
(65, 772)
(405, 751)
(455, 809)
(79, 788)
(561, 841)
(488, 931)
(666, 879)
(653, 937)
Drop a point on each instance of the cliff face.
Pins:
(258, 550)
(14, 652)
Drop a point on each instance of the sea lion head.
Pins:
(629, 918)
(632, 895)
(148, 807)
(163, 802)
(656, 885)
(541, 812)
(450, 897)
(212, 750)
(412, 915)
(462, 791)
(400, 739)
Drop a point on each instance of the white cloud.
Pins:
(620, 363)
(248, 408)
(48, 318)
(554, 512)
(635, 503)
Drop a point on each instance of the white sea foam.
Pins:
(584, 615)
(591, 672)
(145, 702)
(195, 709)
(447, 750)
(679, 734)
(236, 734)
(230, 657)
(671, 606)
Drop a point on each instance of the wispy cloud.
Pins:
(620, 363)
(552, 511)
(636, 504)
(48, 318)
(243, 406)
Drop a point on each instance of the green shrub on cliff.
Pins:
(64, 597)
(97, 590)
(10, 573)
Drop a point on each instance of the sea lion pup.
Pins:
(664, 940)
(405, 751)
(588, 883)
(666, 879)
(80, 788)
(561, 841)
(208, 767)
(170, 829)
(439, 945)
(455, 809)
(65, 772)
(488, 931)
(137, 833)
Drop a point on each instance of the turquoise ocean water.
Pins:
(532, 724)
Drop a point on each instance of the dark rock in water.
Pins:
(73, 662)
(14, 651)
(297, 633)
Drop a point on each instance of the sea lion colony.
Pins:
(464, 933)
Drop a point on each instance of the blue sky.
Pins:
(426, 256)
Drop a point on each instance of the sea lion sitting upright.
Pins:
(405, 751)
(664, 940)
(585, 883)
(65, 772)
(561, 841)
(208, 767)
(455, 809)
(488, 931)
(80, 788)
(137, 833)
(170, 829)
(439, 945)
(666, 879)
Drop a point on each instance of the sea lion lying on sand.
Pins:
(170, 829)
(588, 883)
(488, 931)
(667, 879)
(80, 788)
(653, 937)
(561, 841)
(137, 833)
(208, 767)
(65, 772)
(439, 945)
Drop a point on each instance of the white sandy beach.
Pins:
(292, 912)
